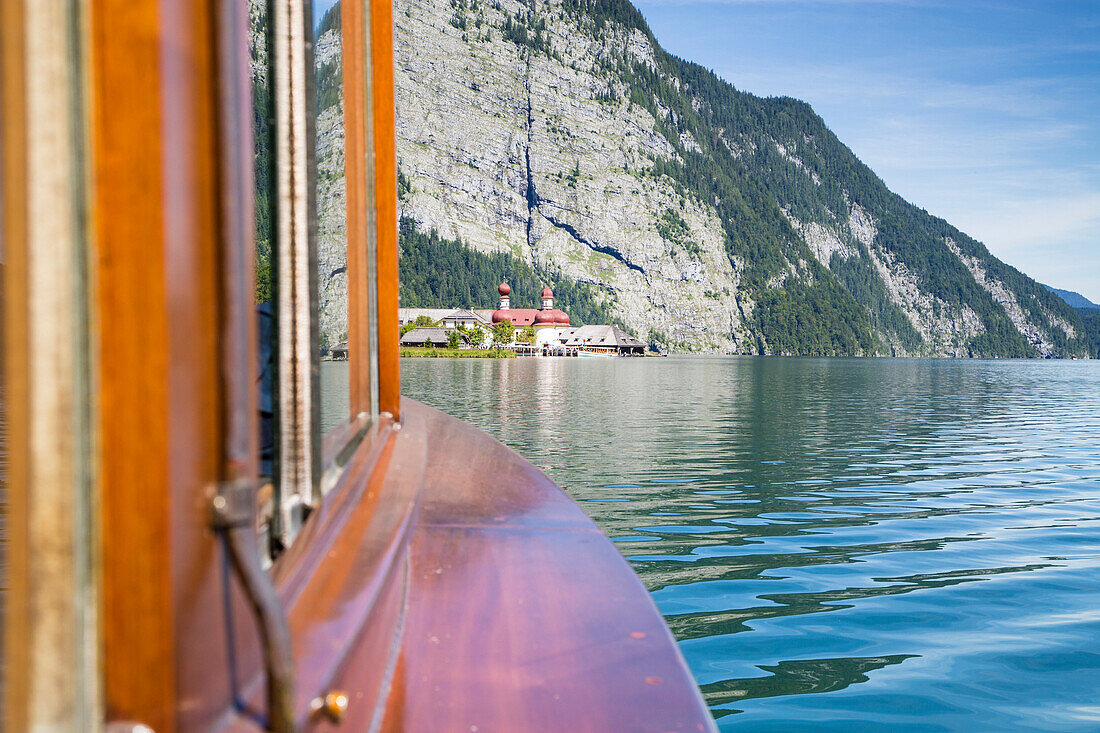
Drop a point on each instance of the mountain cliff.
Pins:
(560, 134)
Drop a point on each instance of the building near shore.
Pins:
(551, 324)
(467, 318)
(432, 336)
(604, 341)
(554, 334)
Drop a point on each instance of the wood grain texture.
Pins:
(176, 632)
(16, 376)
(344, 582)
(353, 64)
(522, 615)
(131, 312)
(451, 586)
(385, 196)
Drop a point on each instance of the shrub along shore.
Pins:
(441, 353)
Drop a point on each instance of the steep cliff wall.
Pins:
(561, 133)
(513, 149)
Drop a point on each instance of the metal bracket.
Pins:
(233, 503)
(233, 512)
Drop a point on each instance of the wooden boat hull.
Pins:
(465, 591)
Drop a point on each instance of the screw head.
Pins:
(334, 704)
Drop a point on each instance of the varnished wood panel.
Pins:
(353, 62)
(522, 614)
(138, 633)
(385, 195)
(344, 581)
(160, 214)
(15, 378)
(536, 630)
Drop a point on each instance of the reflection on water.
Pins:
(917, 539)
(335, 403)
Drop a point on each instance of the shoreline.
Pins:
(419, 352)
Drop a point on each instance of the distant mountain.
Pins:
(1074, 299)
(559, 134)
(1090, 316)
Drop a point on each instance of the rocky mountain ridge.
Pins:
(559, 132)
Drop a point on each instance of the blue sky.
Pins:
(985, 113)
(320, 7)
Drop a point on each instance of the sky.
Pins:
(983, 112)
(320, 7)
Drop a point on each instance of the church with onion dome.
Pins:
(551, 324)
(543, 319)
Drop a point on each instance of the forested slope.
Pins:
(555, 142)
(561, 133)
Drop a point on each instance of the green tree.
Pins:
(504, 332)
(526, 335)
(454, 338)
(477, 336)
(445, 273)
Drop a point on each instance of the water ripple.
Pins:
(837, 544)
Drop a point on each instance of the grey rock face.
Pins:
(332, 251)
(544, 157)
(535, 149)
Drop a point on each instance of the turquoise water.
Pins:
(837, 544)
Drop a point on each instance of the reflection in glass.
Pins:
(265, 266)
(301, 274)
(332, 250)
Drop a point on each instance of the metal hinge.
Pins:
(233, 503)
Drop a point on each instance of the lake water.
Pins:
(837, 544)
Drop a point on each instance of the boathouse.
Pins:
(605, 340)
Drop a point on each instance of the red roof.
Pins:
(518, 316)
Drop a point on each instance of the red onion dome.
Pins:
(500, 317)
(562, 318)
(547, 293)
(545, 317)
(504, 289)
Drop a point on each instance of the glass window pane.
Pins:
(262, 124)
(265, 286)
(332, 250)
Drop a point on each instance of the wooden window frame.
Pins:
(297, 413)
(50, 617)
(308, 464)
(160, 382)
